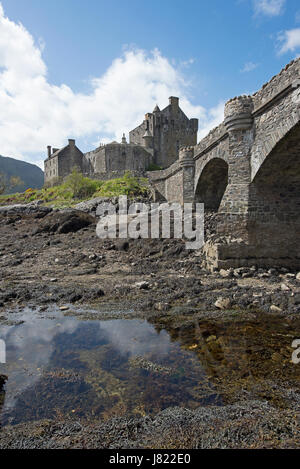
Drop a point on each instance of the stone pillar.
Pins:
(187, 163)
(235, 202)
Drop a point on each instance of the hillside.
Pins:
(30, 174)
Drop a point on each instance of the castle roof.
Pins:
(147, 134)
(156, 109)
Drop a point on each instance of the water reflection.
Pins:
(62, 367)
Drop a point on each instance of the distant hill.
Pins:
(30, 174)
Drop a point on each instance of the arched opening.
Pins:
(274, 204)
(212, 184)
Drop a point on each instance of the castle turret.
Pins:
(148, 139)
(238, 113)
(124, 139)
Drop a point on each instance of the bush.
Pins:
(81, 186)
(126, 185)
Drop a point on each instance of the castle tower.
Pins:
(169, 130)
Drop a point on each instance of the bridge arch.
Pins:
(274, 197)
(211, 183)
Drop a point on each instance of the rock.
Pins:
(226, 273)
(21, 209)
(142, 285)
(53, 280)
(284, 287)
(272, 272)
(264, 275)
(275, 309)
(223, 303)
(64, 308)
(90, 206)
(237, 273)
(64, 221)
(298, 276)
(122, 245)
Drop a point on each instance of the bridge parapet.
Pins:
(214, 137)
(277, 84)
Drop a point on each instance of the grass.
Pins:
(78, 188)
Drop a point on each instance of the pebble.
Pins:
(223, 303)
(275, 309)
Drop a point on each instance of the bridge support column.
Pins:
(187, 163)
(235, 202)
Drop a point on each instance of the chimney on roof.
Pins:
(173, 101)
(71, 142)
(49, 150)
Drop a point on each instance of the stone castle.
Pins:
(155, 143)
(246, 170)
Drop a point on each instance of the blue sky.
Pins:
(91, 69)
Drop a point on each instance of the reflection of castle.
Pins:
(156, 141)
(3, 379)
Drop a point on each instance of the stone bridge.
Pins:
(248, 171)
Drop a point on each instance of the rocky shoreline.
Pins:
(52, 257)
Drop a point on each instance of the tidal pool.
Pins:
(62, 367)
(74, 367)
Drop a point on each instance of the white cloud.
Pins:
(210, 119)
(290, 40)
(249, 66)
(35, 113)
(268, 7)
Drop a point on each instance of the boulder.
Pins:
(64, 221)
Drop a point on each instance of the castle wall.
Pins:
(69, 158)
(114, 159)
(94, 161)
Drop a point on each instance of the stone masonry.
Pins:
(248, 171)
